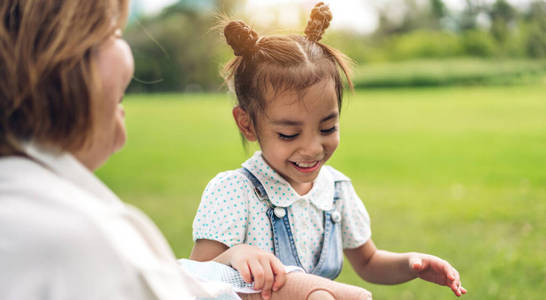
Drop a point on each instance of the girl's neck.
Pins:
(302, 188)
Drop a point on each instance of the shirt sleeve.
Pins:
(355, 221)
(223, 212)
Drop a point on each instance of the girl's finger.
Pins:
(268, 278)
(257, 274)
(459, 289)
(455, 288)
(280, 274)
(447, 270)
(244, 270)
(453, 274)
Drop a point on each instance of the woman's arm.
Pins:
(384, 267)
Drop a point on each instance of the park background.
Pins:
(444, 136)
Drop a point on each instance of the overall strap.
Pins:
(283, 239)
(259, 189)
(337, 190)
(330, 260)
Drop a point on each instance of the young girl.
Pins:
(284, 200)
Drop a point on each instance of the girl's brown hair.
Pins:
(282, 63)
(47, 77)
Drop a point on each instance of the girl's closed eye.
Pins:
(328, 131)
(287, 137)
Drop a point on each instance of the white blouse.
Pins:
(65, 235)
(231, 213)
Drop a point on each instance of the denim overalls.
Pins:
(331, 256)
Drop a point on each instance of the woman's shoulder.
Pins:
(41, 237)
(34, 184)
(56, 228)
(39, 222)
(22, 177)
(33, 197)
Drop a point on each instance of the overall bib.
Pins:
(331, 257)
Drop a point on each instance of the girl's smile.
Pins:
(307, 167)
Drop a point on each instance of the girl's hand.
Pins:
(258, 266)
(434, 269)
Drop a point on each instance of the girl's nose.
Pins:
(312, 148)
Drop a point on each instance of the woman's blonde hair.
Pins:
(47, 78)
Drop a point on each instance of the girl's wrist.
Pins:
(414, 263)
(224, 257)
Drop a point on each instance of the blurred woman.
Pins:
(64, 234)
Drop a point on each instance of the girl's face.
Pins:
(299, 132)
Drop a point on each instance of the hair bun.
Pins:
(319, 20)
(240, 37)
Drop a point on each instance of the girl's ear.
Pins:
(245, 124)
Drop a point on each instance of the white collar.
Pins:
(282, 194)
(66, 166)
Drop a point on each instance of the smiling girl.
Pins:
(285, 206)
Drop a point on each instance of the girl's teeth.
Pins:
(305, 165)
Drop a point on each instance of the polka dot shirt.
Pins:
(231, 213)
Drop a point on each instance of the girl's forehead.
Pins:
(322, 90)
(318, 99)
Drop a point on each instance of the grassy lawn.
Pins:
(456, 172)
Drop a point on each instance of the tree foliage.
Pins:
(176, 50)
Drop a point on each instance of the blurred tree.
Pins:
(177, 50)
(437, 15)
(478, 43)
(425, 44)
(438, 9)
(536, 24)
(502, 14)
(469, 17)
(400, 17)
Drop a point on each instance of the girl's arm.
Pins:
(205, 250)
(384, 267)
(255, 265)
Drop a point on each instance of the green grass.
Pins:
(450, 72)
(455, 172)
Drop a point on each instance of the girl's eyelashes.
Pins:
(287, 137)
(329, 130)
